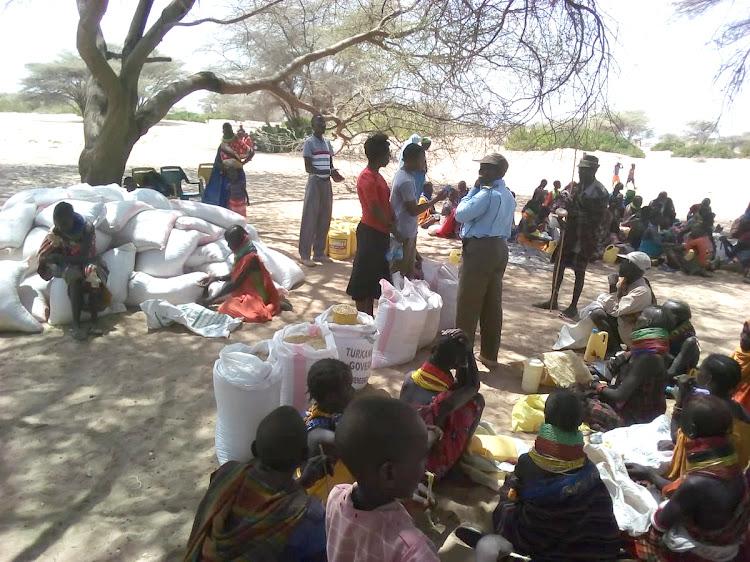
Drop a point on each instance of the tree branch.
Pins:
(238, 19)
(120, 56)
(91, 47)
(137, 26)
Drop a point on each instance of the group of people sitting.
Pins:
(371, 461)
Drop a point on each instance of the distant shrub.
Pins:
(704, 151)
(287, 137)
(182, 115)
(669, 145)
(19, 103)
(542, 138)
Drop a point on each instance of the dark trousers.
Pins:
(316, 217)
(480, 292)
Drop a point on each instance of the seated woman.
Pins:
(684, 350)
(452, 405)
(329, 384)
(69, 252)
(742, 356)
(529, 231)
(259, 510)
(554, 507)
(429, 216)
(707, 514)
(253, 296)
(449, 227)
(702, 247)
(636, 394)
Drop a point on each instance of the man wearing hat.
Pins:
(629, 294)
(586, 211)
(486, 217)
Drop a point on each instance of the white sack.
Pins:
(284, 270)
(120, 262)
(400, 320)
(150, 197)
(639, 443)
(177, 290)
(210, 232)
(252, 232)
(209, 253)
(247, 388)
(31, 246)
(102, 242)
(61, 310)
(15, 224)
(217, 269)
(354, 344)
(431, 271)
(169, 262)
(447, 288)
(576, 336)
(33, 294)
(40, 197)
(91, 212)
(118, 213)
(295, 360)
(13, 316)
(210, 213)
(98, 193)
(632, 504)
(434, 309)
(196, 318)
(148, 230)
(215, 288)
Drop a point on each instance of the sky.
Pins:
(665, 65)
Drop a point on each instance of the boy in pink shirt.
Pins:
(383, 442)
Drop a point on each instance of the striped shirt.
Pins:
(321, 152)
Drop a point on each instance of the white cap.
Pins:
(640, 259)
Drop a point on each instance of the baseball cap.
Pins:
(493, 158)
(640, 259)
(589, 161)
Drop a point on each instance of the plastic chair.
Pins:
(139, 174)
(204, 172)
(175, 175)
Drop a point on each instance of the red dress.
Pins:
(246, 302)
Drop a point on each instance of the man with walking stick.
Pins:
(579, 242)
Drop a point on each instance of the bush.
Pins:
(668, 145)
(287, 137)
(538, 137)
(19, 103)
(182, 115)
(705, 151)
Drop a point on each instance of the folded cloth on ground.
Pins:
(565, 368)
(489, 457)
(528, 413)
(576, 336)
(197, 318)
(639, 443)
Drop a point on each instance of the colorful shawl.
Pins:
(242, 518)
(650, 341)
(429, 377)
(743, 391)
(317, 418)
(558, 451)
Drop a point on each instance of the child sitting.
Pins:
(453, 405)
(329, 384)
(383, 442)
(258, 511)
(555, 507)
(683, 342)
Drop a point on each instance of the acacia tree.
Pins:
(483, 62)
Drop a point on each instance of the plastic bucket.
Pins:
(611, 253)
(455, 256)
(532, 374)
(340, 244)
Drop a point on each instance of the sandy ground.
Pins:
(108, 445)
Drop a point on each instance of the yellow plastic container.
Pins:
(551, 247)
(611, 253)
(455, 256)
(340, 243)
(596, 348)
(689, 255)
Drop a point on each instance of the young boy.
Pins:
(259, 511)
(383, 442)
(555, 507)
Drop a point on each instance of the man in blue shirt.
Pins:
(486, 217)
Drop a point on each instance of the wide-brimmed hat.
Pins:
(640, 259)
(589, 161)
(494, 158)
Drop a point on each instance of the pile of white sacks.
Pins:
(154, 247)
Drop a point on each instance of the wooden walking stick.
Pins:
(561, 214)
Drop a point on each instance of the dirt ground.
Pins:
(108, 445)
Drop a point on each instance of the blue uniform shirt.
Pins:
(487, 212)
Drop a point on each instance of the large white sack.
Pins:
(210, 213)
(91, 212)
(196, 318)
(169, 262)
(217, 269)
(447, 288)
(434, 309)
(120, 262)
(40, 197)
(247, 387)
(283, 269)
(354, 344)
(102, 242)
(177, 290)
(632, 504)
(639, 443)
(576, 336)
(400, 320)
(148, 230)
(60, 309)
(150, 197)
(209, 253)
(32, 244)
(252, 232)
(210, 232)
(33, 294)
(431, 271)
(98, 193)
(295, 360)
(13, 316)
(118, 213)
(15, 224)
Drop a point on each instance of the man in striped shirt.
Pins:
(318, 205)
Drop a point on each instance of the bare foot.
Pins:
(570, 312)
(545, 305)
(308, 262)
(323, 259)
(95, 330)
(80, 334)
(489, 363)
